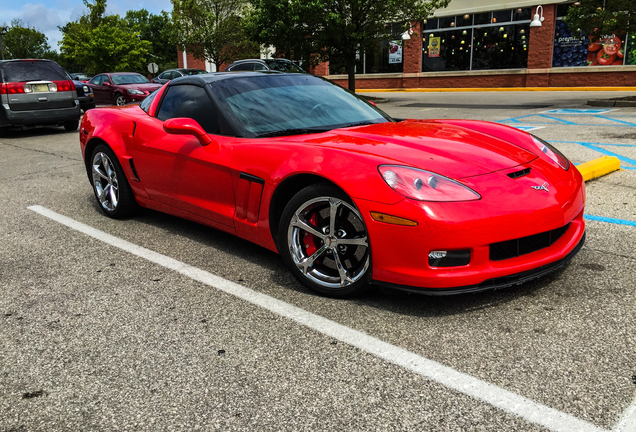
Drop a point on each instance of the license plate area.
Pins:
(39, 88)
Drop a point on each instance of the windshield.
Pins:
(194, 72)
(129, 79)
(268, 105)
(284, 66)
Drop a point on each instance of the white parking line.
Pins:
(507, 401)
(628, 422)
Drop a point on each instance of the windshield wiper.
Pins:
(286, 132)
(362, 123)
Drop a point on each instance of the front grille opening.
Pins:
(517, 174)
(525, 245)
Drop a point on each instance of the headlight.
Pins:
(423, 185)
(135, 92)
(555, 155)
(85, 88)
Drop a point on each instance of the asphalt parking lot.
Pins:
(156, 323)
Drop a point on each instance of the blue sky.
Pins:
(46, 15)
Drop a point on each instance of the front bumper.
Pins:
(87, 101)
(509, 209)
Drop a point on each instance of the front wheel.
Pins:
(110, 185)
(324, 241)
(120, 100)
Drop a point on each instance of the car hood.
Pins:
(447, 149)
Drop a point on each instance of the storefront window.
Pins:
(502, 47)
(578, 50)
(575, 49)
(449, 50)
(477, 42)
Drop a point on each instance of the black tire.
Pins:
(332, 259)
(3, 131)
(72, 125)
(111, 188)
(120, 100)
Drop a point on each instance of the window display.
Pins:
(489, 40)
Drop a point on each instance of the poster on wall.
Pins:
(607, 50)
(395, 52)
(434, 45)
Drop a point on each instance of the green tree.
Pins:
(331, 29)
(213, 29)
(103, 43)
(159, 31)
(24, 42)
(602, 17)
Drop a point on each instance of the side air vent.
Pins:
(517, 174)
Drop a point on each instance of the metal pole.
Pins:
(3, 31)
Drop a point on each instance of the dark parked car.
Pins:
(281, 65)
(171, 74)
(37, 92)
(85, 95)
(121, 88)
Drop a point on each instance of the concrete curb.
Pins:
(611, 103)
(498, 89)
(599, 167)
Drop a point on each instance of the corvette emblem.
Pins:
(544, 187)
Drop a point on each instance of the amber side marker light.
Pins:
(381, 217)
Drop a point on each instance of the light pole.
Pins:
(3, 31)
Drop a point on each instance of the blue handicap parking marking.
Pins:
(527, 128)
(584, 111)
(626, 162)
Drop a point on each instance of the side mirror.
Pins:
(187, 126)
(106, 83)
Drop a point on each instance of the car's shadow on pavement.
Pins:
(35, 132)
(395, 301)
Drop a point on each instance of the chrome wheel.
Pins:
(328, 243)
(120, 100)
(105, 181)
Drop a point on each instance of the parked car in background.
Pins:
(36, 92)
(171, 74)
(121, 88)
(85, 95)
(282, 65)
(81, 76)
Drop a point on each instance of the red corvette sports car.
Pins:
(345, 193)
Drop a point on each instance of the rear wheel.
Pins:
(111, 188)
(324, 241)
(72, 125)
(120, 100)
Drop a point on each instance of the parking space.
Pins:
(155, 323)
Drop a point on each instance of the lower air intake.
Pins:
(525, 245)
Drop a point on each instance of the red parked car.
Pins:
(346, 194)
(121, 88)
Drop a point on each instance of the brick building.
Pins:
(490, 43)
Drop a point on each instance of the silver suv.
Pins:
(36, 92)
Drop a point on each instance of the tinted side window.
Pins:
(191, 102)
(259, 67)
(98, 80)
(244, 67)
(23, 71)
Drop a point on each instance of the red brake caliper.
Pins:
(312, 243)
